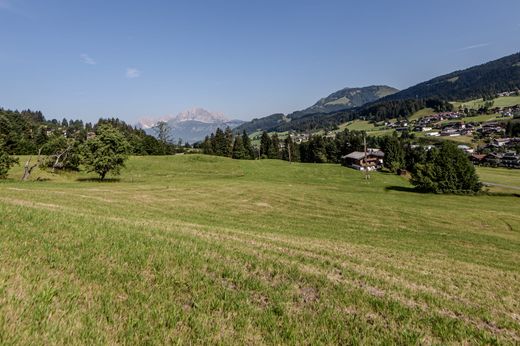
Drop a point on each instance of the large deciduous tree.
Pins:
(107, 152)
(446, 170)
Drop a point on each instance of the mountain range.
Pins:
(485, 80)
(344, 99)
(191, 125)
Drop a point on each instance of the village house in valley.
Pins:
(370, 161)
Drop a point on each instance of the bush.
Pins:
(446, 170)
(6, 161)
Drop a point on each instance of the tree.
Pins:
(221, 144)
(265, 145)
(239, 151)
(446, 170)
(248, 147)
(62, 153)
(163, 132)
(107, 152)
(274, 150)
(394, 153)
(228, 135)
(289, 152)
(6, 161)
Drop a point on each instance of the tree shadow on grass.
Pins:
(403, 189)
(412, 189)
(98, 180)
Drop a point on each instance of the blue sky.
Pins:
(133, 59)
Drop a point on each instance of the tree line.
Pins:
(25, 132)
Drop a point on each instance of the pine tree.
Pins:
(239, 151)
(248, 147)
(228, 135)
(274, 150)
(206, 146)
(221, 146)
(394, 153)
(265, 145)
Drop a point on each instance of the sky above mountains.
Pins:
(135, 59)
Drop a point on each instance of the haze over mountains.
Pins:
(192, 125)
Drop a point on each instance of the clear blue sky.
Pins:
(247, 58)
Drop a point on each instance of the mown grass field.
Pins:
(199, 249)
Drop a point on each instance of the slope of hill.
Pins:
(347, 98)
(344, 99)
(192, 125)
(475, 82)
(190, 248)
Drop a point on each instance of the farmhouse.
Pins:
(372, 160)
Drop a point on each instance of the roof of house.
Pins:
(358, 155)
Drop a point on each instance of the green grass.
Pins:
(198, 249)
(370, 128)
(422, 113)
(476, 119)
(360, 125)
(505, 101)
(503, 177)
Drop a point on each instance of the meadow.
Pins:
(201, 249)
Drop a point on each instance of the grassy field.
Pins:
(199, 249)
(503, 177)
(504, 101)
(422, 113)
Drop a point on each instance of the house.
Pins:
(372, 160)
(500, 142)
(433, 134)
(478, 159)
(421, 128)
(466, 149)
(91, 135)
(511, 160)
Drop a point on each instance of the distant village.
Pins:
(489, 144)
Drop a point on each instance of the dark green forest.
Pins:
(482, 81)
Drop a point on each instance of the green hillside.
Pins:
(487, 79)
(197, 249)
(504, 101)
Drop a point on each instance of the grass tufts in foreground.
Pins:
(193, 249)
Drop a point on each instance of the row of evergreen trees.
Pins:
(225, 143)
(318, 149)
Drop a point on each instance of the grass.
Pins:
(370, 128)
(422, 113)
(199, 249)
(502, 176)
(504, 101)
(476, 119)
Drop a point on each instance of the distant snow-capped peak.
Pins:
(194, 114)
(202, 115)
